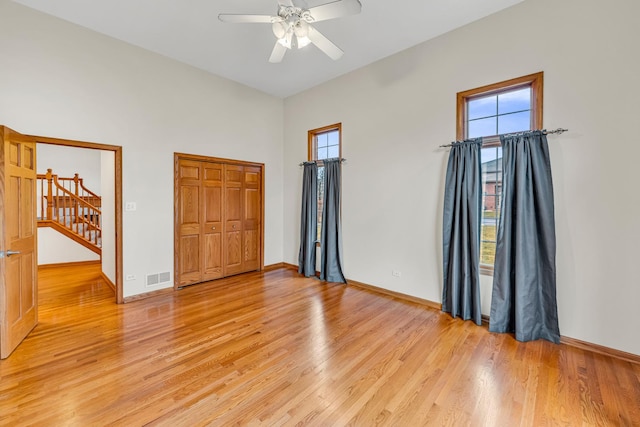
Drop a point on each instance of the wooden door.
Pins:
(218, 218)
(252, 218)
(212, 178)
(233, 224)
(18, 257)
(188, 222)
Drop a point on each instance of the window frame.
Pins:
(313, 150)
(313, 142)
(535, 81)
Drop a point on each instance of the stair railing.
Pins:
(76, 186)
(68, 204)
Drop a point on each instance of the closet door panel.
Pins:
(213, 213)
(189, 222)
(233, 209)
(252, 218)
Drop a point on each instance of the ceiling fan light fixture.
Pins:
(286, 41)
(303, 41)
(301, 28)
(279, 29)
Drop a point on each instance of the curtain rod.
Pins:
(342, 160)
(544, 131)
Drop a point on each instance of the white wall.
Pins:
(67, 161)
(396, 112)
(60, 80)
(55, 248)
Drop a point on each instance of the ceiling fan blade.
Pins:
(277, 54)
(324, 44)
(335, 9)
(246, 19)
(302, 4)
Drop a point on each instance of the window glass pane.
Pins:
(333, 151)
(491, 173)
(332, 137)
(489, 204)
(516, 122)
(482, 107)
(482, 127)
(325, 144)
(487, 249)
(513, 101)
(322, 153)
(322, 139)
(491, 188)
(490, 153)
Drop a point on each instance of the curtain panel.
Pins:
(524, 282)
(308, 220)
(461, 231)
(331, 231)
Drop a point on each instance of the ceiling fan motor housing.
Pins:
(293, 30)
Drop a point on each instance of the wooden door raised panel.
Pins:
(190, 259)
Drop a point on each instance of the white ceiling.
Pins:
(189, 31)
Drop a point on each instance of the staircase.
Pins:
(70, 208)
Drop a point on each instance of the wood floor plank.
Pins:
(276, 349)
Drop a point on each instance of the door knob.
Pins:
(213, 228)
(8, 253)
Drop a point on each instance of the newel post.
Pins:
(76, 178)
(49, 194)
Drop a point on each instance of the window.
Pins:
(489, 111)
(324, 143)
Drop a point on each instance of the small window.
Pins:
(507, 107)
(324, 143)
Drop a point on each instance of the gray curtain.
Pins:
(461, 231)
(524, 281)
(331, 234)
(308, 220)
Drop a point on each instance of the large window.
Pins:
(324, 143)
(489, 111)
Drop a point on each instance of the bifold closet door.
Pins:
(243, 217)
(218, 219)
(189, 222)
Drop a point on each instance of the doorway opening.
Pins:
(111, 171)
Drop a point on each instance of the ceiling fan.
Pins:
(292, 28)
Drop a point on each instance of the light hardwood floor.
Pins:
(277, 349)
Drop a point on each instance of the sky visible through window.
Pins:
(506, 112)
(328, 145)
